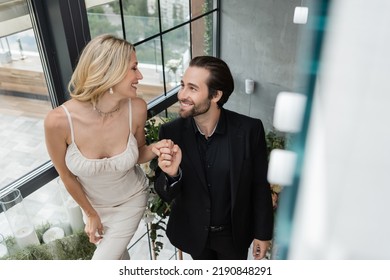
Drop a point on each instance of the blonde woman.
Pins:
(96, 139)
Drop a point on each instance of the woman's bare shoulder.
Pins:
(138, 106)
(56, 119)
(138, 102)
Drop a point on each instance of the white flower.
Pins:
(148, 216)
(147, 170)
(145, 167)
(173, 64)
(276, 188)
(152, 197)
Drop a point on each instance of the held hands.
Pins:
(169, 156)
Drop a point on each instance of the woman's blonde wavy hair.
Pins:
(103, 63)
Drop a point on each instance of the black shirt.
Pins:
(214, 152)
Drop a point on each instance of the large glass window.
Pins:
(174, 12)
(150, 65)
(24, 102)
(202, 36)
(103, 18)
(176, 54)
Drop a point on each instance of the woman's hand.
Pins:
(169, 157)
(94, 228)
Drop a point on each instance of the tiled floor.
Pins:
(22, 145)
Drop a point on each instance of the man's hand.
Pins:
(169, 157)
(260, 248)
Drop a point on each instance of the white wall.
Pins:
(259, 41)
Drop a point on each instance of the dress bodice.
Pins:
(107, 181)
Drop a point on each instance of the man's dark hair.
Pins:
(220, 76)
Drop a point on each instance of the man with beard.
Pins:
(215, 177)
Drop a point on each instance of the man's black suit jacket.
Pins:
(251, 204)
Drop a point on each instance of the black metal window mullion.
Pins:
(190, 5)
(217, 29)
(161, 46)
(122, 19)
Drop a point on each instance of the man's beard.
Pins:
(196, 110)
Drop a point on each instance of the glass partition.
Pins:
(176, 55)
(174, 12)
(103, 18)
(24, 102)
(202, 36)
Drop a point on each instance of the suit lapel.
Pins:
(237, 152)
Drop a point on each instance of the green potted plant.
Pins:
(72, 247)
(157, 210)
(275, 140)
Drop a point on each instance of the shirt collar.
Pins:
(221, 125)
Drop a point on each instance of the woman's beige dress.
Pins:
(117, 188)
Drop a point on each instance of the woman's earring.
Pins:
(110, 91)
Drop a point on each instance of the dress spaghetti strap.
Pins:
(130, 116)
(69, 120)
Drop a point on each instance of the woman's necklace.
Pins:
(106, 114)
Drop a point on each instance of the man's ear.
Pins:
(217, 96)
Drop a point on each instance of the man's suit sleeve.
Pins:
(264, 215)
(165, 189)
